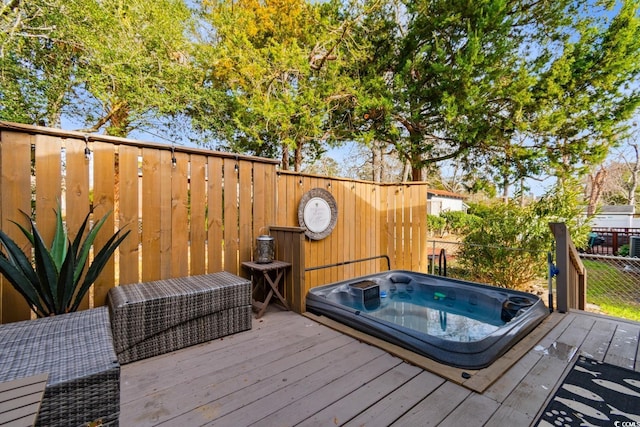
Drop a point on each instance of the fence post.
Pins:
(561, 234)
(290, 248)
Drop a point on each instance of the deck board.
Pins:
(289, 370)
(624, 346)
(304, 406)
(387, 410)
(435, 407)
(345, 408)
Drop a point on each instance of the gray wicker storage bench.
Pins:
(153, 318)
(76, 350)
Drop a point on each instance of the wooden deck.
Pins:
(289, 370)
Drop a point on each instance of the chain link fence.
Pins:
(613, 285)
(613, 282)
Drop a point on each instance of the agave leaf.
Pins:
(18, 258)
(66, 284)
(45, 268)
(83, 255)
(98, 264)
(26, 232)
(21, 283)
(59, 245)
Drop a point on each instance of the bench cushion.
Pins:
(157, 317)
(76, 350)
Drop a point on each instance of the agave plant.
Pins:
(52, 281)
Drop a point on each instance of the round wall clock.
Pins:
(318, 213)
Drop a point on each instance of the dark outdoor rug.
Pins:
(595, 394)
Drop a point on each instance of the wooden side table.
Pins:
(272, 273)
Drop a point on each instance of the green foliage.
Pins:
(509, 246)
(623, 250)
(458, 222)
(53, 283)
(588, 91)
(436, 224)
(508, 249)
(117, 65)
(272, 76)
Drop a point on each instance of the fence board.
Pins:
(261, 195)
(415, 225)
(151, 214)
(245, 211)
(103, 204)
(77, 191)
(214, 210)
(128, 213)
(180, 216)
(166, 209)
(231, 232)
(48, 172)
(15, 159)
(198, 200)
(270, 190)
(338, 244)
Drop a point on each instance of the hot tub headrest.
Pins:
(399, 278)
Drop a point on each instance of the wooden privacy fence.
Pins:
(193, 211)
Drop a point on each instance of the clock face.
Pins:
(317, 213)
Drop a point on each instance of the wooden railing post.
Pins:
(562, 262)
(289, 242)
(571, 281)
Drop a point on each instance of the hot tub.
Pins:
(459, 323)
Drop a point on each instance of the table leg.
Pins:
(274, 285)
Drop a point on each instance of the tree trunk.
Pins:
(635, 170)
(418, 174)
(285, 157)
(505, 189)
(298, 157)
(119, 120)
(597, 182)
(406, 171)
(376, 151)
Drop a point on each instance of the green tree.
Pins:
(37, 59)
(491, 84)
(136, 63)
(586, 94)
(272, 75)
(111, 65)
(368, 118)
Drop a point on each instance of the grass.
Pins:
(614, 287)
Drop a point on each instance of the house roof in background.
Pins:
(617, 209)
(444, 193)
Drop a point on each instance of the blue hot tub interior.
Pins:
(459, 323)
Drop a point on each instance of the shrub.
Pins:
(623, 250)
(508, 249)
(509, 246)
(436, 224)
(459, 222)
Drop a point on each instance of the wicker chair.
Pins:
(153, 318)
(76, 350)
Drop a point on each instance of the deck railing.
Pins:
(194, 211)
(572, 276)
